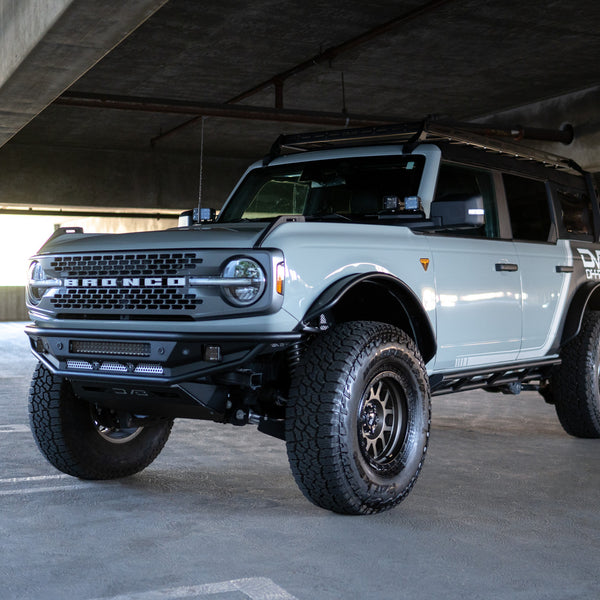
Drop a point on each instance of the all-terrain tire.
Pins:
(67, 434)
(357, 424)
(575, 385)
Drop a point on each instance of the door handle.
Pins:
(506, 267)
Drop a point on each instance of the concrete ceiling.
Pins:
(380, 60)
(459, 58)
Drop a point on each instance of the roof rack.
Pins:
(414, 133)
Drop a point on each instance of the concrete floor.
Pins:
(506, 508)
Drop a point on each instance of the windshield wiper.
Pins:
(245, 220)
(330, 217)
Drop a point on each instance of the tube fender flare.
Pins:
(421, 328)
(587, 296)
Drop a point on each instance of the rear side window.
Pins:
(576, 213)
(528, 207)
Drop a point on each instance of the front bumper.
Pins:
(151, 358)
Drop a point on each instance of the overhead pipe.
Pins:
(564, 135)
(277, 81)
(157, 105)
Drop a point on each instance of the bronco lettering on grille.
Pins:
(126, 282)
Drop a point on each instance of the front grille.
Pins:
(140, 285)
(125, 299)
(126, 265)
(132, 285)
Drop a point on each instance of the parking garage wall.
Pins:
(32, 176)
(12, 303)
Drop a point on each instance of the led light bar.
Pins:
(109, 348)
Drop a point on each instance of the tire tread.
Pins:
(575, 384)
(313, 422)
(53, 411)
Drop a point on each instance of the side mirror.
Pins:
(191, 217)
(458, 210)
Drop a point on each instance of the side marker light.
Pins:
(280, 278)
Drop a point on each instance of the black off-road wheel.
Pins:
(76, 438)
(357, 424)
(575, 385)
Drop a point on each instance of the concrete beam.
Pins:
(23, 23)
(75, 177)
(46, 46)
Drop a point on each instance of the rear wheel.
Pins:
(83, 440)
(357, 425)
(575, 385)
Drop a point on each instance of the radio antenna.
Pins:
(201, 167)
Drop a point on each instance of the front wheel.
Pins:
(357, 424)
(78, 439)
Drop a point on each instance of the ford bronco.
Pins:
(350, 276)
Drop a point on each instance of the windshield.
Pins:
(355, 189)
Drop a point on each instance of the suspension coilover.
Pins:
(294, 354)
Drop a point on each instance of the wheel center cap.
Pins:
(370, 419)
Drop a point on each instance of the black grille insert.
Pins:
(135, 264)
(125, 299)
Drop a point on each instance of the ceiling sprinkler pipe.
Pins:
(564, 135)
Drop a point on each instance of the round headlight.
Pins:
(252, 281)
(36, 273)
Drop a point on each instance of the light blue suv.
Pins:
(349, 276)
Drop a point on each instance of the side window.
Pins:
(469, 190)
(576, 213)
(528, 207)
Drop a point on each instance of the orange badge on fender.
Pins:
(424, 263)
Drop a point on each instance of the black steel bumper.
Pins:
(149, 358)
